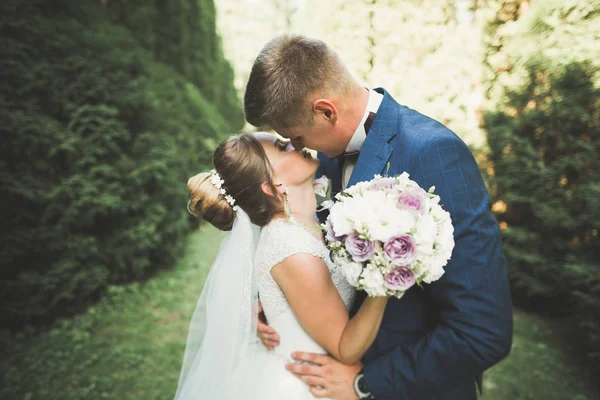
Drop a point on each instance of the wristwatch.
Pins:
(360, 387)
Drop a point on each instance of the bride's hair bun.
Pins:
(242, 164)
(206, 202)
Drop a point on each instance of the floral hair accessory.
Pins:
(218, 182)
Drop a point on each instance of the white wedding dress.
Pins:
(279, 240)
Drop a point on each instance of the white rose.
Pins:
(390, 221)
(424, 249)
(382, 230)
(362, 187)
(405, 221)
(339, 219)
(437, 212)
(434, 273)
(445, 239)
(376, 198)
(352, 272)
(372, 280)
(444, 251)
(361, 214)
(426, 230)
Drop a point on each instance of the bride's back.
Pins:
(279, 240)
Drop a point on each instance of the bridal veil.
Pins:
(222, 333)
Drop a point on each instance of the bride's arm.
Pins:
(306, 283)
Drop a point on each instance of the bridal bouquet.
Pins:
(388, 234)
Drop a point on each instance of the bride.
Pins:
(261, 191)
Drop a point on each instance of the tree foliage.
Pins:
(99, 134)
(544, 139)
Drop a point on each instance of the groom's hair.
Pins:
(287, 70)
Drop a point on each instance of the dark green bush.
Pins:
(98, 139)
(545, 149)
(542, 85)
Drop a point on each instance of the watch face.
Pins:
(362, 384)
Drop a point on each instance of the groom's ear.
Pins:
(325, 110)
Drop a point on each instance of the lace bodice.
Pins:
(279, 240)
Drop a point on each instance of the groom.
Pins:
(436, 341)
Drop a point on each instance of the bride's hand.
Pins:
(266, 334)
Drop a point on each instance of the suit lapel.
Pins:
(376, 150)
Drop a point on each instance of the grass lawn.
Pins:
(130, 346)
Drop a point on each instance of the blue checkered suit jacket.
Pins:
(435, 342)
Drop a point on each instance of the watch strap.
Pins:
(360, 387)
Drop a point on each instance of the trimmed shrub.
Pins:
(98, 139)
(544, 139)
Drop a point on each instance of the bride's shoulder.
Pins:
(281, 228)
(280, 239)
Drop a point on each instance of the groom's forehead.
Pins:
(285, 132)
(293, 132)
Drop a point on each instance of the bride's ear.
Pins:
(266, 188)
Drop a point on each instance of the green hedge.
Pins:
(98, 138)
(544, 139)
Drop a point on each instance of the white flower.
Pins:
(360, 213)
(215, 179)
(403, 180)
(381, 262)
(426, 230)
(405, 221)
(419, 269)
(433, 201)
(445, 237)
(377, 197)
(371, 209)
(437, 212)
(372, 280)
(434, 272)
(352, 272)
(382, 230)
(340, 257)
(339, 219)
(230, 200)
(321, 186)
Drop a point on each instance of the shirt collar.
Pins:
(358, 139)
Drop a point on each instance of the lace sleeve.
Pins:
(280, 240)
(284, 240)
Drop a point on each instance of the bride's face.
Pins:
(291, 167)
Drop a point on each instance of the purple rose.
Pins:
(413, 200)
(360, 249)
(330, 235)
(402, 278)
(400, 249)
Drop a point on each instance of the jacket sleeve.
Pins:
(475, 322)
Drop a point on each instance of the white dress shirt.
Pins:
(358, 139)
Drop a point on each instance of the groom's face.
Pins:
(319, 136)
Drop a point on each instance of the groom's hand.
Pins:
(266, 334)
(329, 378)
